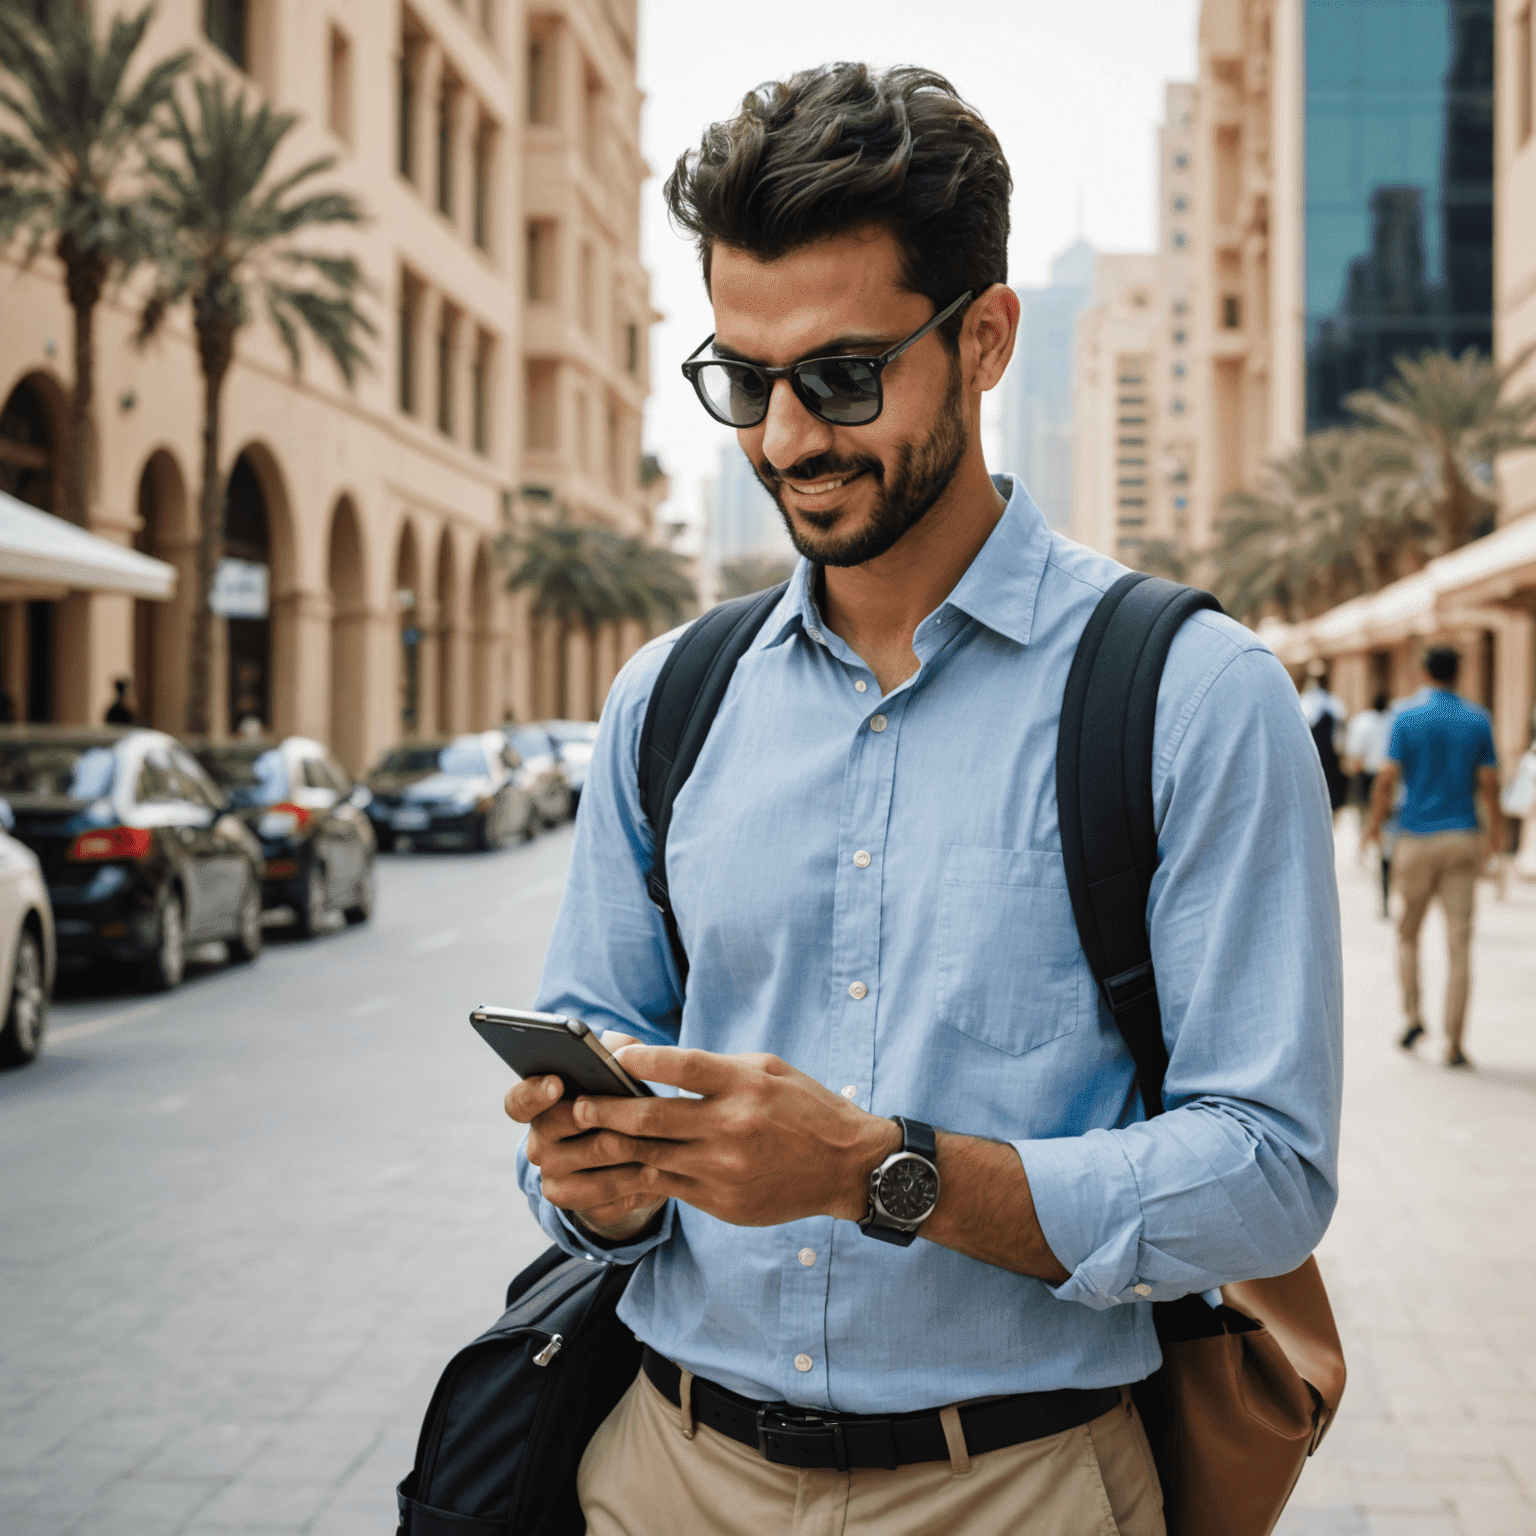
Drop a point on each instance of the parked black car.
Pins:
(139, 851)
(574, 740)
(541, 773)
(453, 792)
(311, 821)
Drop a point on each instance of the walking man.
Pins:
(868, 881)
(1441, 751)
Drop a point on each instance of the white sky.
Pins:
(1072, 90)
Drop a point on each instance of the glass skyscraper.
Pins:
(1399, 189)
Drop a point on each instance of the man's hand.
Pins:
(616, 1200)
(762, 1145)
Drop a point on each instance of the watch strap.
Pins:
(919, 1138)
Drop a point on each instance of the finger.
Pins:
(664, 1119)
(531, 1097)
(702, 1072)
(594, 1188)
(615, 1039)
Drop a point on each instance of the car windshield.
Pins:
(530, 743)
(247, 775)
(462, 759)
(61, 769)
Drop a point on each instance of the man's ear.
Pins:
(987, 338)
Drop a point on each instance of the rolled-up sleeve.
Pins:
(608, 961)
(1239, 1178)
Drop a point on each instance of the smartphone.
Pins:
(545, 1044)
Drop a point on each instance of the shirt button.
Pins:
(850, 1092)
(860, 686)
(803, 1362)
(878, 723)
(861, 858)
(807, 1256)
(858, 991)
(815, 634)
(1143, 1290)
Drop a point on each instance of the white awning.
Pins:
(36, 547)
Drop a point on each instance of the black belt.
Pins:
(799, 1437)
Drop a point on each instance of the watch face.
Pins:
(909, 1188)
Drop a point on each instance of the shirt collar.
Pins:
(998, 589)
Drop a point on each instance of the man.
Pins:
(1325, 713)
(1365, 750)
(868, 881)
(118, 712)
(1441, 751)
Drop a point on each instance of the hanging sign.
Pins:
(239, 589)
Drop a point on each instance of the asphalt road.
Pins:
(243, 1226)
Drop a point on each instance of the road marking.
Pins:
(549, 887)
(362, 1010)
(437, 941)
(88, 1027)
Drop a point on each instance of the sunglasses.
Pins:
(844, 391)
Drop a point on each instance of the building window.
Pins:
(583, 432)
(447, 361)
(1181, 205)
(541, 427)
(408, 319)
(480, 393)
(226, 26)
(339, 93)
(1179, 338)
(632, 348)
(1177, 407)
(1178, 370)
(592, 120)
(541, 78)
(586, 295)
(447, 99)
(1525, 80)
(1181, 161)
(541, 262)
(1231, 312)
(1180, 239)
(406, 90)
(485, 159)
(1180, 503)
(614, 443)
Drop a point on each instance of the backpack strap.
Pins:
(683, 705)
(1104, 801)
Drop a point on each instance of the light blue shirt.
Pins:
(942, 979)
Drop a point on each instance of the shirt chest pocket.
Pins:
(1010, 971)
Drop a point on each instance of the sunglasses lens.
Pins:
(735, 393)
(842, 390)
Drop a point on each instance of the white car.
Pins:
(26, 949)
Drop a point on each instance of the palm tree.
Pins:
(1325, 525)
(67, 175)
(569, 568)
(225, 244)
(1443, 422)
(753, 573)
(1164, 557)
(652, 582)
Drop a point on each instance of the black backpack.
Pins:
(514, 1411)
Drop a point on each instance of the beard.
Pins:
(903, 497)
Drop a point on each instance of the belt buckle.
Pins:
(807, 1429)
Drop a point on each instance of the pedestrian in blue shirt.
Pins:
(1441, 752)
(867, 877)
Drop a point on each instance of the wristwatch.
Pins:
(904, 1189)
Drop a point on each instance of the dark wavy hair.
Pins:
(843, 146)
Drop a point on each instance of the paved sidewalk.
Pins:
(1430, 1256)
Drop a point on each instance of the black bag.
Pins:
(504, 1435)
(513, 1411)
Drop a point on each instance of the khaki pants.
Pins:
(1443, 864)
(641, 1476)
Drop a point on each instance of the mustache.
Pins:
(824, 466)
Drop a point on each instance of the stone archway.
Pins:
(482, 639)
(449, 635)
(32, 439)
(160, 630)
(345, 575)
(407, 597)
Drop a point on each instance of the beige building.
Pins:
(496, 150)
(1482, 597)
(1133, 408)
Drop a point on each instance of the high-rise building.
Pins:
(1037, 394)
(1133, 460)
(496, 152)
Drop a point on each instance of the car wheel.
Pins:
(244, 943)
(385, 841)
(313, 908)
(490, 836)
(163, 970)
(362, 899)
(26, 1016)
